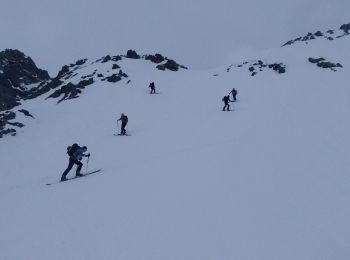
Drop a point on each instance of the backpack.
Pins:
(72, 149)
(125, 119)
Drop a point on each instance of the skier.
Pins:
(124, 120)
(153, 88)
(76, 153)
(226, 100)
(234, 94)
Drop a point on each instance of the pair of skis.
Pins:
(76, 177)
(122, 134)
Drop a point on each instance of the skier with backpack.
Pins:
(234, 94)
(76, 153)
(153, 88)
(124, 120)
(226, 100)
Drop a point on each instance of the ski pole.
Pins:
(87, 164)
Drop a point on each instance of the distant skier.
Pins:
(234, 94)
(226, 100)
(124, 120)
(153, 88)
(76, 153)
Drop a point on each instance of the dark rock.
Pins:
(4, 121)
(157, 58)
(99, 75)
(106, 59)
(10, 131)
(9, 96)
(322, 63)
(288, 43)
(318, 34)
(345, 28)
(114, 78)
(85, 83)
(115, 66)
(122, 74)
(64, 70)
(117, 58)
(18, 71)
(26, 113)
(64, 89)
(56, 82)
(339, 65)
(131, 54)
(305, 38)
(8, 115)
(80, 62)
(251, 69)
(170, 65)
(70, 90)
(327, 65)
(278, 67)
(312, 60)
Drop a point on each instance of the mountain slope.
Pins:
(266, 181)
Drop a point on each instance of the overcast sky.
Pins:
(200, 34)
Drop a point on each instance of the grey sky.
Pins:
(200, 34)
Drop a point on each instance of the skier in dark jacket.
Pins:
(124, 120)
(234, 94)
(153, 88)
(226, 100)
(76, 153)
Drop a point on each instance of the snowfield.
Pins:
(267, 181)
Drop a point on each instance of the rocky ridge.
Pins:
(329, 35)
(20, 79)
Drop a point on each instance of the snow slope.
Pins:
(268, 180)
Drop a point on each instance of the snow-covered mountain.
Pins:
(266, 181)
(20, 79)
